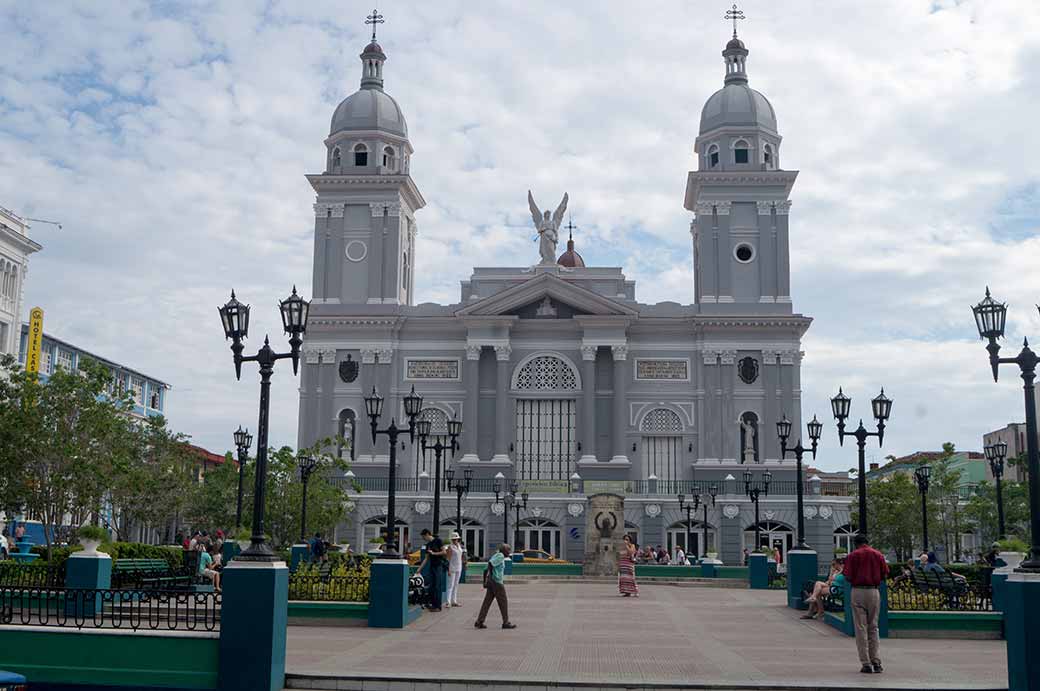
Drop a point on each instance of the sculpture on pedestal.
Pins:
(548, 228)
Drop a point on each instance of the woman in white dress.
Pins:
(455, 566)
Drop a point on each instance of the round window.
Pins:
(356, 250)
(744, 253)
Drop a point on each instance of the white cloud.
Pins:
(172, 140)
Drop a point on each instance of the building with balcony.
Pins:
(15, 248)
(566, 383)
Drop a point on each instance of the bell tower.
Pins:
(364, 226)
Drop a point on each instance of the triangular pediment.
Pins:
(579, 300)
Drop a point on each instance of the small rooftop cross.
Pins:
(376, 18)
(570, 228)
(733, 14)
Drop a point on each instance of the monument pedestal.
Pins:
(605, 526)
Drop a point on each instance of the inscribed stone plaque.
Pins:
(432, 369)
(674, 370)
(606, 486)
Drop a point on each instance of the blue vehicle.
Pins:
(9, 681)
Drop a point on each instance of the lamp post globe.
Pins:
(995, 454)
(881, 407)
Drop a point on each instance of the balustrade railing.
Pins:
(350, 588)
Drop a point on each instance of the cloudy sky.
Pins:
(171, 140)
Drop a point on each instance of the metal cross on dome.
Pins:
(376, 18)
(734, 14)
(570, 228)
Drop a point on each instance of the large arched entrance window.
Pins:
(348, 432)
(376, 527)
(545, 418)
(677, 537)
(632, 530)
(662, 445)
(438, 432)
(771, 535)
(473, 536)
(843, 538)
(538, 533)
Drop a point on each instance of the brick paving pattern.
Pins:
(584, 632)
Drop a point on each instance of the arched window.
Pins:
(545, 373)
(376, 527)
(740, 151)
(661, 420)
(771, 535)
(537, 535)
(438, 432)
(662, 446)
(767, 156)
(843, 538)
(389, 159)
(348, 432)
(360, 155)
(474, 539)
(713, 156)
(336, 161)
(677, 537)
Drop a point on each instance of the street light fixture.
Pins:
(921, 477)
(689, 508)
(243, 441)
(374, 409)
(995, 454)
(307, 464)
(990, 318)
(783, 430)
(753, 494)
(461, 487)
(423, 429)
(881, 406)
(234, 317)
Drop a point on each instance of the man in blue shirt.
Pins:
(495, 583)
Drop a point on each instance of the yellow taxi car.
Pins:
(540, 556)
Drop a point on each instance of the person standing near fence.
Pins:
(866, 569)
(456, 563)
(435, 555)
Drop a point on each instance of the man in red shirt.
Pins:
(865, 569)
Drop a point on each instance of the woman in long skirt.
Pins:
(627, 569)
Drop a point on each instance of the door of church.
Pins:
(545, 438)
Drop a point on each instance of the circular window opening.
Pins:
(356, 250)
(744, 253)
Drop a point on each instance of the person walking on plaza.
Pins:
(435, 554)
(495, 583)
(865, 570)
(456, 563)
(626, 569)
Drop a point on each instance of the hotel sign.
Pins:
(32, 356)
(663, 369)
(422, 368)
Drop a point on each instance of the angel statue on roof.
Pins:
(548, 228)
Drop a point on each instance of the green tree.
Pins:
(981, 510)
(944, 498)
(893, 508)
(213, 500)
(327, 503)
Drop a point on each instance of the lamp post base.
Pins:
(1021, 611)
(801, 568)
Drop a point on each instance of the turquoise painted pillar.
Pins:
(300, 553)
(848, 626)
(801, 568)
(84, 572)
(708, 568)
(253, 621)
(229, 550)
(388, 594)
(1022, 611)
(997, 582)
(509, 566)
(758, 571)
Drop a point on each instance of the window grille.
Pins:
(546, 373)
(662, 420)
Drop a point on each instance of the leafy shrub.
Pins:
(92, 532)
(1013, 544)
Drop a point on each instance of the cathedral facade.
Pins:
(566, 384)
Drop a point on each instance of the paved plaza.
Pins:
(585, 633)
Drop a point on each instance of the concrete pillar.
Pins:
(1021, 611)
(299, 554)
(801, 567)
(502, 407)
(85, 571)
(620, 353)
(588, 403)
(471, 380)
(253, 621)
(758, 571)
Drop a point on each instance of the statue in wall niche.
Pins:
(606, 523)
(548, 228)
(748, 427)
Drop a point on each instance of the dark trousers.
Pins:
(495, 591)
(436, 585)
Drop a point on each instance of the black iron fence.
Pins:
(35, 575)
(957, 596)
(352, 587)
(110, 609)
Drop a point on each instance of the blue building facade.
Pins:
(149, 394)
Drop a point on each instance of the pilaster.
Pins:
(588, 403)
(503, 354)
(471, 380)
(620, 353)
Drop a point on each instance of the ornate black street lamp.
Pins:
(882, 408)
(460, 486)
(423, 429)
(519, 503)
(921, 477)
(753, 494)
(307, 464)
(374, 409)
(990, 317)
(235, 318)
(689, 508)
(243, 440)
(995, 454)
(783, 430)
(713, 492)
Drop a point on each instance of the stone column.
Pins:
(620, 353)
(326, 426)
(367, 375)
(471, 380)
(771, 447)
(502, 417)
(731, 416)
(588, 404)
(387, 384)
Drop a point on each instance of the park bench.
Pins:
(833, 599)
(149, 573)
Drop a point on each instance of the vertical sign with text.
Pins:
(32, 355)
